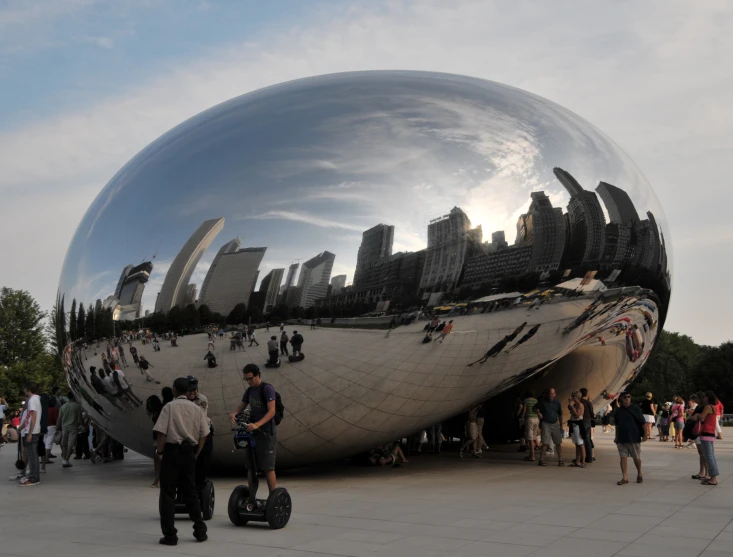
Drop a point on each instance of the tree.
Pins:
(21, 328)
(237, 315)
(175, 318)
(89, 326)
(714, 371)
(72, 322)
(81, 323)
(191, 319)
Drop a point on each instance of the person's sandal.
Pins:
(560, 463)
(640, 479)
(622, 482)
(708, 482)
(696, 476)
(527, 459)
(541, 463)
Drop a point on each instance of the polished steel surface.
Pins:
(431, 193)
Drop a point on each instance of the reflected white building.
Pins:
(314, 278)
(173, 292)
(233, 280)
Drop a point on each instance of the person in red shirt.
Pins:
(719, 411)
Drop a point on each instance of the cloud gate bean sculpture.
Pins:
(434, 240)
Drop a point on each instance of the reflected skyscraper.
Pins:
(120, 282)
(132, 288)
(586, 223)
(450, 239)
(270, 288)
(314, 278)
(337, 284)
(191, 293)
(173, 292)
(543, 228)
(233, 280)
(620, 208)
(229, 247)
(376, 244)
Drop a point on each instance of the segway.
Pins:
(243, 503)
(206, 497)
(273, 363)
(299, 358)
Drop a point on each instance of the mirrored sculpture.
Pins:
(435, 239)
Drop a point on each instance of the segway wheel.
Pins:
(237, 500)
(278, 508)
(207, 500)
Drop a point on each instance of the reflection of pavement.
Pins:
(498, 506)
(359, 388)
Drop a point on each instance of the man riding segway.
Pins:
(259, 435)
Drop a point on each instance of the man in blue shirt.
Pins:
(260, 398)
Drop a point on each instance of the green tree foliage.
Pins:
(23, 353)
(89, 326)
(21, 327)
(191, 317)
(714, 371)
(237, 315)
(669, 369)
(72, 322)
(81, 322)
(175, 319)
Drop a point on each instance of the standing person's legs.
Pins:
(167, 497)
(703, 473)
(187, 486)
(708, 449)
(588, 442)
(34, 466)
(480, 428)
(624, 469)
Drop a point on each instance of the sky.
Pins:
(87, 85)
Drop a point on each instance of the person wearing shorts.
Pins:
(260, 399)
(629, 420)
(549, 412)
(531, 423)
(649, 410)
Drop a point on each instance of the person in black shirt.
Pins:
(649, 409)
(629, 425)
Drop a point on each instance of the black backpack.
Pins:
(279, 408)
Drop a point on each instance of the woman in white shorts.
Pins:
(576, 408)
(649, 410)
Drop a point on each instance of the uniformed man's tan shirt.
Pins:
(202, 402)
(182, 421)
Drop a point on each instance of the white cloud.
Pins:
(646, 73)
(305, 218)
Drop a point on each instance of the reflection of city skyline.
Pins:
(456, 256)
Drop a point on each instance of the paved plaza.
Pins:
(436, 505)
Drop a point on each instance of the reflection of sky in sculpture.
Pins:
(308, 166)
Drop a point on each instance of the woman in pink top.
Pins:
(677, 417)
(707, 436)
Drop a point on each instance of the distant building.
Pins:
(132, 288)
(229, 247)
(376, 244)
(493, 267)
(290, 280)
(620, 208)
(395, 278)
(338, 283)
(314, 279)
(147, 312)
(120, 282)
(191, 293)
(173, 291)
(233, 280)
(618, 249)
(586, 224)
(270, 288)
(543, 228)
(450, 240)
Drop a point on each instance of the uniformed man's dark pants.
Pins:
(178, 472)
(202, 462)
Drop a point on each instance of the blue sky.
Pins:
(86, 85)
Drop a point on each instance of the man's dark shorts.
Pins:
(264, 451)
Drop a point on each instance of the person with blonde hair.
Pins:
(677, 417)
(649, 410)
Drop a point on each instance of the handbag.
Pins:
(20, 464)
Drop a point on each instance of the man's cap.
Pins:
(622, 393)
(193, 383)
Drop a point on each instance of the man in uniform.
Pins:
(202, 462)
(182, 428)
(262, 408)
